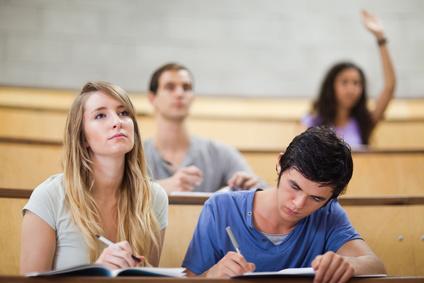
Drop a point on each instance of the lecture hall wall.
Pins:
(234, 47)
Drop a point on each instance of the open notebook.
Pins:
(294, 272)
(99, 270)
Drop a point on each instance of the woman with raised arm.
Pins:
(104, 190)
(342, 101)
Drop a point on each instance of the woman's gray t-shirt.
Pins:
(48, 202)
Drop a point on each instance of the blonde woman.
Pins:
(104, 190)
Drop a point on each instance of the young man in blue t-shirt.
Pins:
(299, 223)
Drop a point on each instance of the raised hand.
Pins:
(372, 23)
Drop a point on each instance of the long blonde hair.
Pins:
(136, 220)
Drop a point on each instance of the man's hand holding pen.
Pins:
(232, 264)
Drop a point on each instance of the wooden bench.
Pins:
(393, 227)
(26, 163)
(246, 123)
(376, 172)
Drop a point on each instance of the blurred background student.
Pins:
(342, 100)
(180, 161)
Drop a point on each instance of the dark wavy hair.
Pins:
(325, 107)
(154, 80)
(321, 157)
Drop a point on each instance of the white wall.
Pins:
(234, 47)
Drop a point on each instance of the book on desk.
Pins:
(295, 272)
(100, 270)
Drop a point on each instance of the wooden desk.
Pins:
(380, 221)
(27, 163)
(20, 279)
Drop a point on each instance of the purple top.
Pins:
(350, 133)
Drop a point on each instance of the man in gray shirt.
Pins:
(181, 162)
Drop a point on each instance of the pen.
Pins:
(108, 242)
(233, 239)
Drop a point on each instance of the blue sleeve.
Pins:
(340, 230)
(202, 252)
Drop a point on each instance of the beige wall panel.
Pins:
(245, 133)
(374, 173)
(32, 124)
(182, 221)
(417, 222)
(392, 173)
(24, 166)
(387, 230)
(10, 219)
(399, 135)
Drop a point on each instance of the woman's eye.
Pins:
(124, 113)
(99, 116)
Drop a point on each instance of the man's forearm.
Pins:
(367, 264)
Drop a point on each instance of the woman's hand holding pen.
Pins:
(119, 255)
(232, 264)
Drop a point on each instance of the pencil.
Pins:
(108, 242)
(233, 239)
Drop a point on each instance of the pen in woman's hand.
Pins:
(108, 242)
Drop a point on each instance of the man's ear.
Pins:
(277, 165)
(151, 97)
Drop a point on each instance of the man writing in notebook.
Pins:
(177, 160)
(299, 223)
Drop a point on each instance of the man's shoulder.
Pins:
(150, 150)
(228, 198)
(148, 143)
(211, 145)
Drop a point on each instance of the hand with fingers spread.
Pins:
(243, 180)
(119, 255)
(184, 180)
(232, 264)
(333, 268)
(373, 24)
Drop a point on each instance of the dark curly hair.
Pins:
(320, 156)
